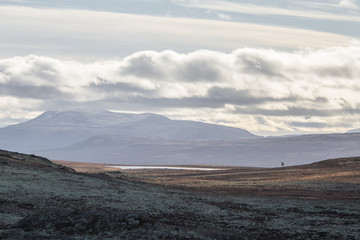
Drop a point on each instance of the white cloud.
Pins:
(91, 35)
(227, 6)
(218, 15)
(351, 4)
(14, 110)
(261, 90)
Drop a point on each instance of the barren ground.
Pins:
(42, 200)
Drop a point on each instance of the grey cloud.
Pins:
(191, 102)
(200, 66)
(321, 100)
(41, 68)
(261, 120)
(291, 111)
(33, 92)
(344, 71)
(216, 98)
(329, 63)
(355, 110)
(118, 87)
(299, 111)
(255, 63)
(243, 97)
(200, 70)
(142, 66)
(232, 96)
(309, 124)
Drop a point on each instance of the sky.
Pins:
(270, 67)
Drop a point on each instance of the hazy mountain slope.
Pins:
(354, 130)
(265, 152)
(123, 138)
(56, 129)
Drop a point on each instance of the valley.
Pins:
(329, 179)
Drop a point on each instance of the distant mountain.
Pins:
(354, 131)
(124, 138)
(261, 152)
(56, 129)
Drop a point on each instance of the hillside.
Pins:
(24, 160)
(46, 202)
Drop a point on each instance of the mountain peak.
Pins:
(90, 118)
(89, 123)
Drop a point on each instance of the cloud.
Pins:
(227, 6)
(256, 89)
(14, 110)
(142, 65)
(32, 92)
(85, 34)
(351, 4)
(291, 111)
(218, 15)
(309, 124)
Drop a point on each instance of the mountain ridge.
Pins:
(263, 152)
(55, 129)
(124, 138)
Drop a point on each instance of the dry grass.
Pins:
(339, 178)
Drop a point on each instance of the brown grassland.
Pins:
(329, 179)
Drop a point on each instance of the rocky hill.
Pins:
(26, 160)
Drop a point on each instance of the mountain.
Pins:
(56, 129)
(261, 152)
(124, 138)
(354, 131)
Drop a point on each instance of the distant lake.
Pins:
(163, 167)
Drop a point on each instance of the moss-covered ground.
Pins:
(44, 202)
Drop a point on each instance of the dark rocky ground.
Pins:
(42, 200)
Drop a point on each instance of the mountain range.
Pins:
(151, 139)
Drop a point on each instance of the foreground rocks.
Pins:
(42, 200)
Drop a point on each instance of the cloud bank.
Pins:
(261, 90)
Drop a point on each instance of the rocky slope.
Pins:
(26, 160)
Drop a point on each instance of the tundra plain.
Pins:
(43, 200)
